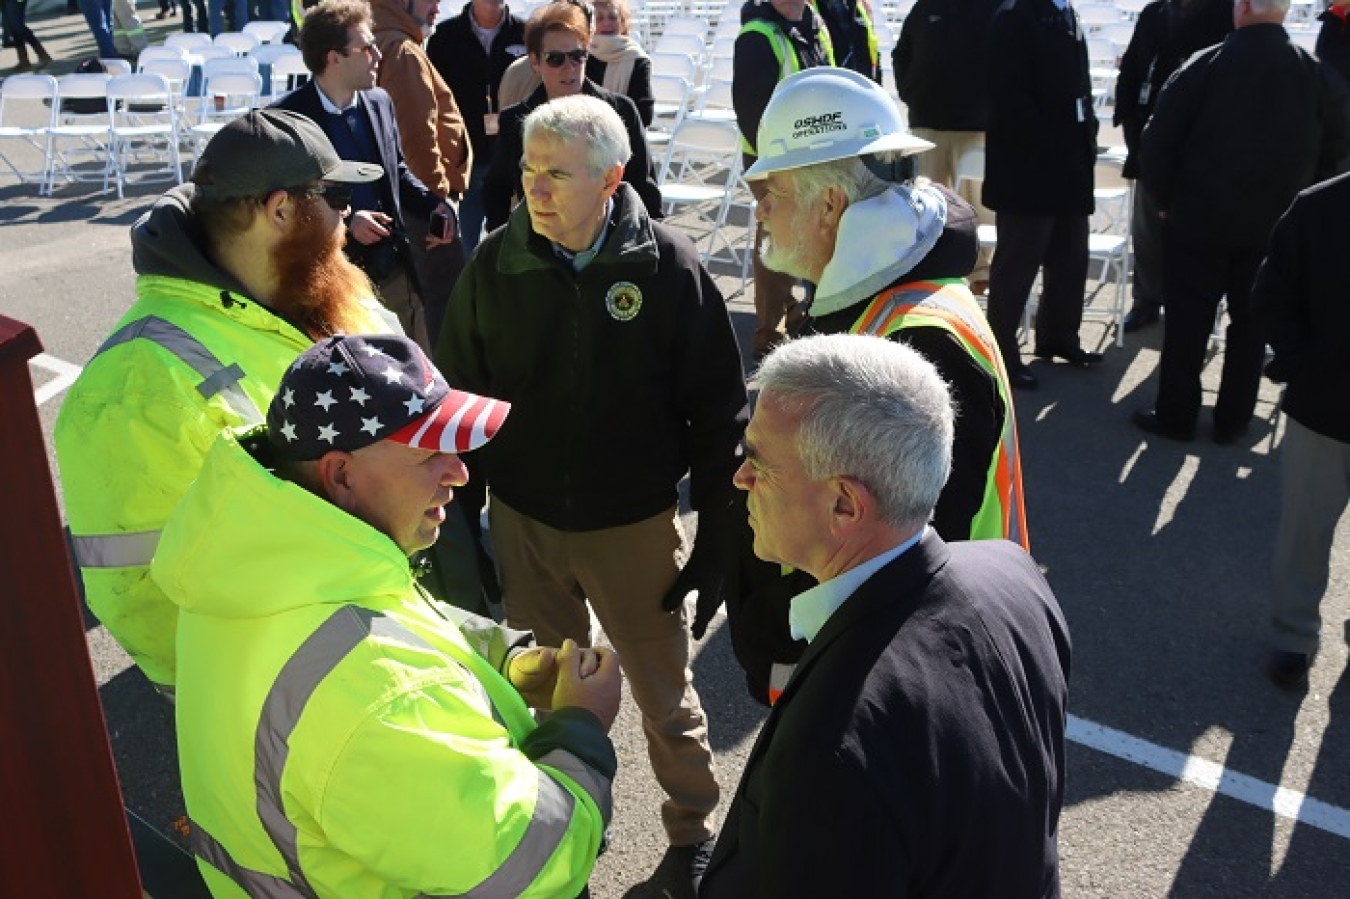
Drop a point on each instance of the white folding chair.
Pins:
(288, 73)
(229, 94)
(1095, 15)
(117, 66)
(155, 54)
(79, 148)
(187, 41)
(177, 73)
(681, 43)
(144, 129)
(681, 65)
(728, 27)
(28, 106)
(238, 42)
(266, 56)
(714, 104)
(670, 94)
(692, 25)
(700, 181)
(268, 32)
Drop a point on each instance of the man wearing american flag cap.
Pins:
(341, 732)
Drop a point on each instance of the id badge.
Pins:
(1082, 110)
(490, 123)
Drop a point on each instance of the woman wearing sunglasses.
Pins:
(558, 38)
(618, 62)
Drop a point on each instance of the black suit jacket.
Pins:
(402, 187)
(919, 748)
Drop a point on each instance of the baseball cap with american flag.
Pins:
(345, 393)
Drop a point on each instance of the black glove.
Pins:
(711, 569)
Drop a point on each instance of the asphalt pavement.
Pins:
(1189, 774)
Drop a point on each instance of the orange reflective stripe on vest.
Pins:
(950, 305)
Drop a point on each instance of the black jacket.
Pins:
(474, 76)
(1041, 143)
(757, 616)
(1333, 43)
(1302, 300)
(612, 402)
(503, 177)
(850, 36)
(755, 69)
(1238, 131)
(940, 67)
(401, 187)
(919, 748)
(639, 84)
(1166, 34)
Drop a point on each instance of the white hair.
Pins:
(589, 118)
(849, 174)
(873, 410)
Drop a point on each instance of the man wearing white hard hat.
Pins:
(888, 254)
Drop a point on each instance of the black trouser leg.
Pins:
(1244, 351)
(1064, 281)
(1022, 242)
(1195, 277)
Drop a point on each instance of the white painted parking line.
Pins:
(1212, 776)
(66, 373)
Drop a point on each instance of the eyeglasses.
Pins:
(555, 60)
(368, 49)
(337, 196)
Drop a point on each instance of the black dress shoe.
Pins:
(1229, 436)
(1148, 420)
(1072, 355)
(1021, 378)
(1288, 670)
(1138, 318)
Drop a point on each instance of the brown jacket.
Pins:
(430, 127)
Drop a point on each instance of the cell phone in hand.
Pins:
(442, 226)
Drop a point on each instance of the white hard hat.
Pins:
(822, 114)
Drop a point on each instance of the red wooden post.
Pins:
(64, 830)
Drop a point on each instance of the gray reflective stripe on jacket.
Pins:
(217, 377)
(257, 884)
(307, 667)
(115, 550)
(596, 785)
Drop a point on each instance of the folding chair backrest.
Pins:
(239, 92)
(203, 55)
(686, 25)
(286, 68)
(80, 86)
(116, 66)
(694, 45)
(31, 88)
(245, 65)
(718, 95)
(268, 32)
(267, 54)
(238, 42)
(156, 54)
(143, 88)
(681, 65)
(186, 41)
(174, 71)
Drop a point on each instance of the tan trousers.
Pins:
(548, 575)
(939, 164)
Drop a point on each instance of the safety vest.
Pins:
(788, 63)
(948, 304)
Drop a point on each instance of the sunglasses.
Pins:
(555, 59)
(337, 196)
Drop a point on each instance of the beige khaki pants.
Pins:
(547, 577)
(939, 164)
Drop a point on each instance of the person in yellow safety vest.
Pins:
(852, 36)
(341, 733)
(888, 253)
(236, 273)
(777, 38)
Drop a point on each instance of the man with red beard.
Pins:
(237, 273)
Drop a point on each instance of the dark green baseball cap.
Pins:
(273, 149)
